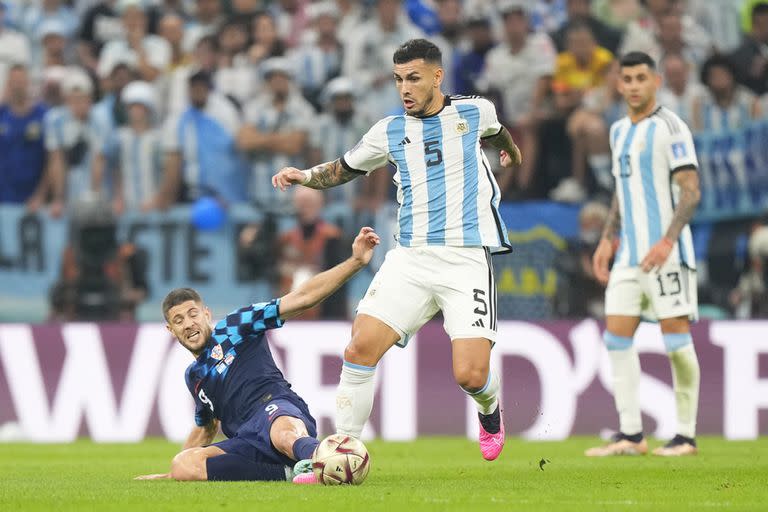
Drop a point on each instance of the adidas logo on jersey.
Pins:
(478, 323)
(404, 141)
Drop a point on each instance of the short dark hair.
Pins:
(759, 9)
(579, 26)
(636, 59)
(201, 77)
(179, 296)
(418, 49)
(716, 61)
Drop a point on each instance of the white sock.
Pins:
(685, 379)
(354, 398)
(625, 365)
(487, 398)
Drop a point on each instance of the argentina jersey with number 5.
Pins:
(447, 193)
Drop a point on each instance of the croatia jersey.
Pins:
(235, 373)
(446, 190)
(645, 157)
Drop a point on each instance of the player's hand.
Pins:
(34, 203)
(155, 476)
(362, 247)
(56, 209)
(658, 255)
(601, 259)
(510, 159)
(286, 177)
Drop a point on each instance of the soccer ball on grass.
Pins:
(341, 459)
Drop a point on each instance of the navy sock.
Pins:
(234, 467)
(491, 422)
(303, 447)
(635, 438)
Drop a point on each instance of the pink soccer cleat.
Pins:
(305, 478)
(492, 444)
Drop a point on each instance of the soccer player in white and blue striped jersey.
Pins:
(657, 191)
(449, 225)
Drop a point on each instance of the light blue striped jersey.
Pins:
(77, 139)
(716, 118)
(645, 157)
(296, 115)
(446, 190)
(206, 141)
(138, 156)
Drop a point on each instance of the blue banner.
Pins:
(734, 172)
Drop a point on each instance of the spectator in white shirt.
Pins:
(368, 56)
(14, 48)
(275, 132)
(681, 89)
(206, 20)
(152, 53)
(318, 62)
(519, 71)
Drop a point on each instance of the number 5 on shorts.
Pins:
(483, 308)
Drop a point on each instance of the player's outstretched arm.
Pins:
(605, 248)
(690, 195)
(327, 175)
(317, 289)
(510, 154)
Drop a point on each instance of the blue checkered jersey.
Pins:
(236, 372)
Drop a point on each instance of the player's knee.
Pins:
(470, 379)
(188, 465)
(360, 352)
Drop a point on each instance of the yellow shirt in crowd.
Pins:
(569, 73)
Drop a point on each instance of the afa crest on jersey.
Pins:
(462, 126)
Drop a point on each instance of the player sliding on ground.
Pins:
(657, 190)
(448, 224)
(236, 384)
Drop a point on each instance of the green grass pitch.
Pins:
(441, 474)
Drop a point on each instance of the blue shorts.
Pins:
(252, 439)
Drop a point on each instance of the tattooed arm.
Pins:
(687, 179)
(604, 252)
(504, 142)
(327, 175)
(690, 195)
(613, 222)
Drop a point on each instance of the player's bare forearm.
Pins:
(318, 288)
(329, 174)
(321, 286)
(201, 436)
(613, 222)
(690, 195)
(503, 141)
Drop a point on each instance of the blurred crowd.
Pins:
(151, 103)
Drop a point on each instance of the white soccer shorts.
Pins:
(414, 283)
(668, 293)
